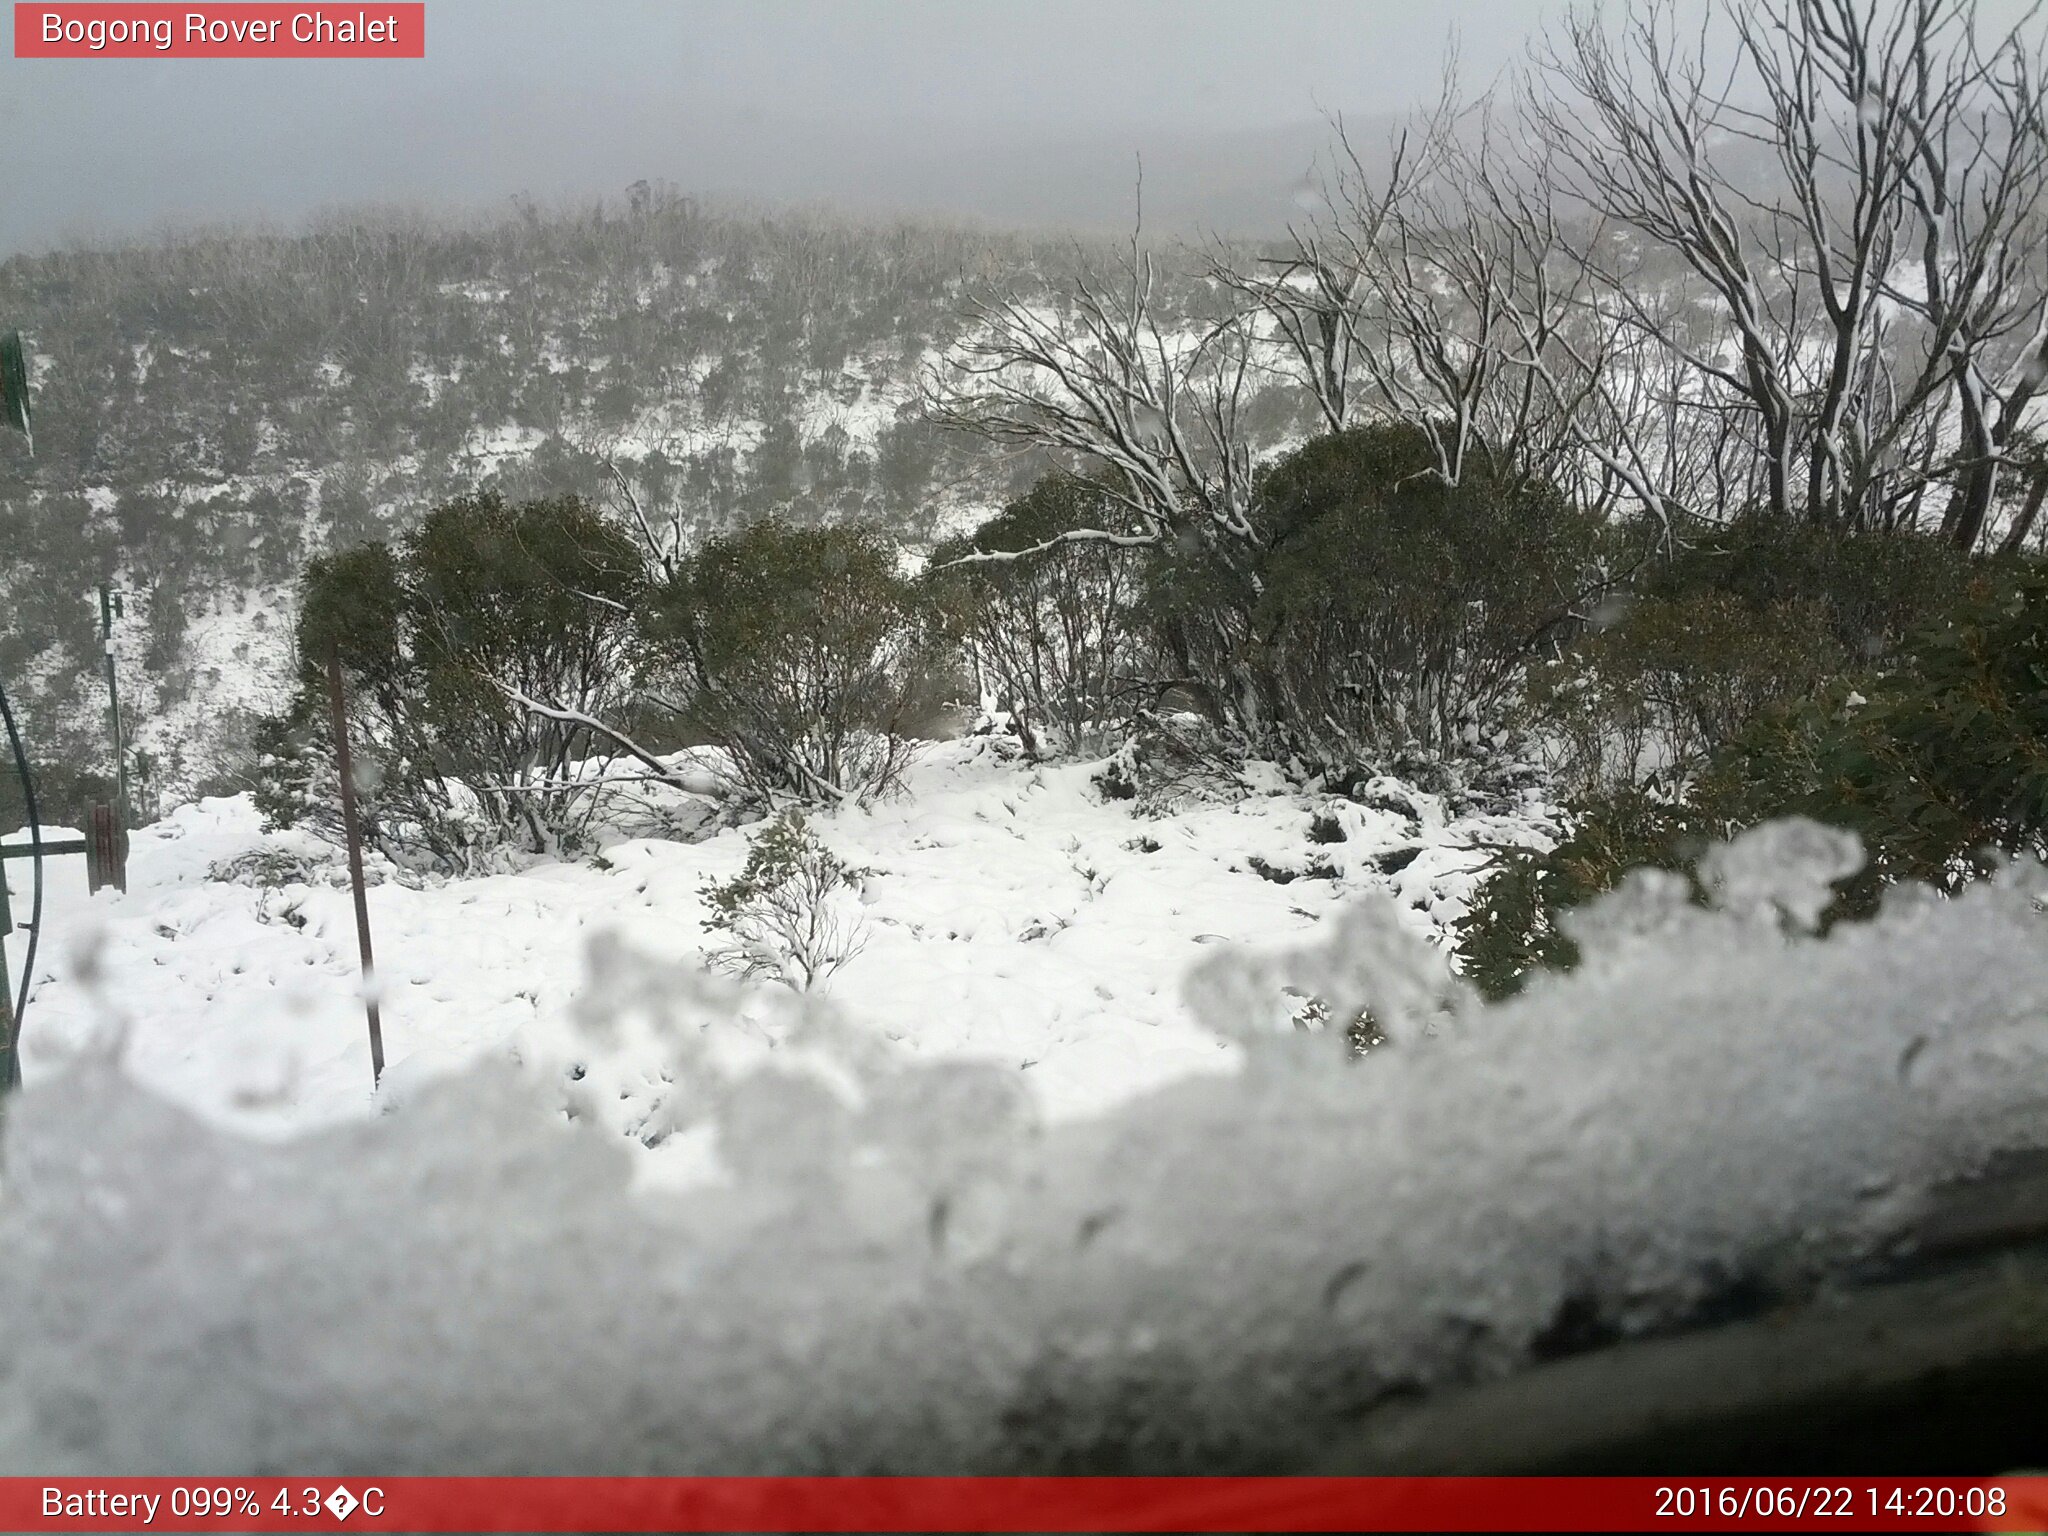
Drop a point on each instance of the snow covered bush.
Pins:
(792, 914)
(801, 651)
(269, 869)
(479, 656)
(1050, 628)
(1169, 762)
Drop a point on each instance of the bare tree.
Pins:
(1859, 189)
(1607, 412)
(1632, 121)
(1320, 299)
(1098, 375)
(1414, 295)
(1974, 173)
(1154, 409)
(662, 534)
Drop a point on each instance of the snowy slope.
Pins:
(1016, 916)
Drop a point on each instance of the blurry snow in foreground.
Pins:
(890, 1263)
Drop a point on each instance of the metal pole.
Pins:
(10, 1067)
(353, 833)
(114, 706)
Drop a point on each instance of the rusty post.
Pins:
(352, 832)
(105, 854)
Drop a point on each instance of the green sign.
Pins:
(14, 410)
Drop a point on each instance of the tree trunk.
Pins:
(2023, 524)
(1963, 521)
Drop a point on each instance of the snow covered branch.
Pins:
(581, 721)
(1071, 536)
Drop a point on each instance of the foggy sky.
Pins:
(1027, 111)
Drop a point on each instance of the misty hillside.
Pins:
(213, 409)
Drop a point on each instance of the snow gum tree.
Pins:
(446, 642)
(1050, 626)
(1154, 404)
(802, 652)
(1787, 257)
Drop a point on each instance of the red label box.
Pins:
(359, 30)
(1007, 1504)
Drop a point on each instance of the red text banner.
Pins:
(220, 31)
(571, 1504)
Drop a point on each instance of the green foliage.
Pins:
(1939, 764)
(804, 651)
(1050, 628)
(1385, 612)
(1650, 697)
(1749, 617)
(435, 639)
(1871, 590)
(1511, 926)
(792, 912)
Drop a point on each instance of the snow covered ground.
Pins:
(1015, 916)
(898, 1267)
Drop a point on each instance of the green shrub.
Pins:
(1511, 926)
(1748, 617)
(482, 601)
(803, 652)
(1871, 589)
(1939, 764)
(1052, 632)
(1386, 612)
(1649, 698)
(792, 914)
